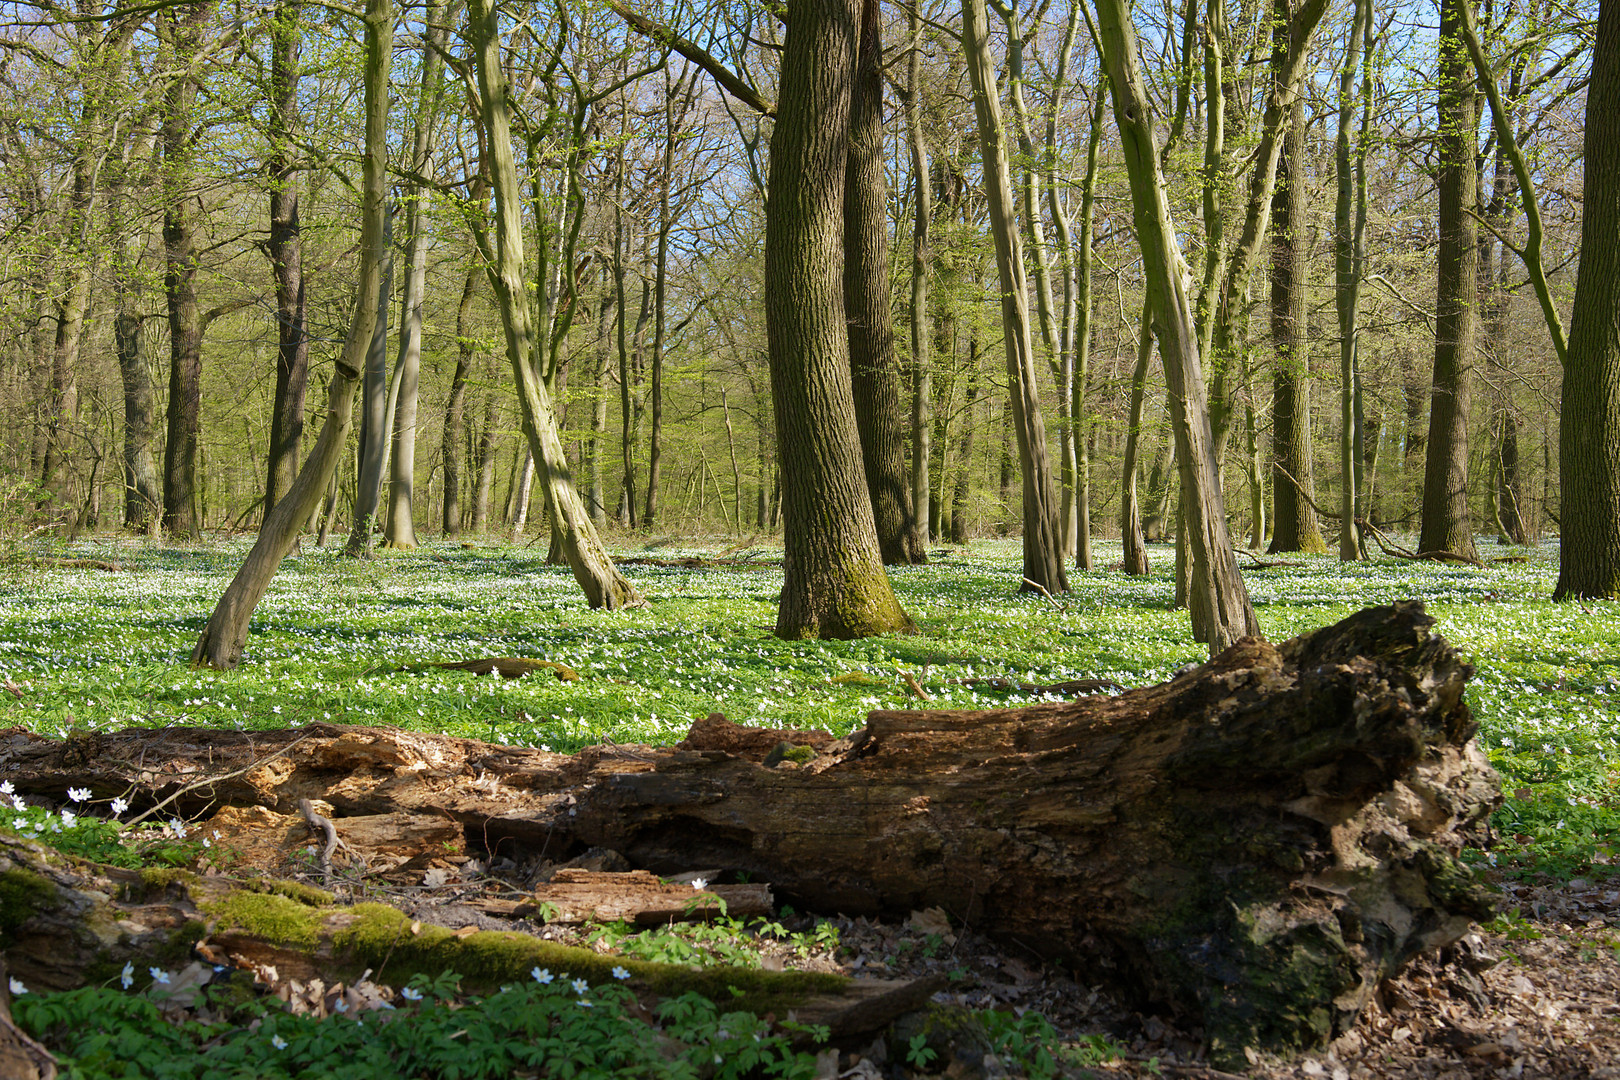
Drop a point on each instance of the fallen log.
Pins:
(1254, 845)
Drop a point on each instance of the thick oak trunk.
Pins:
(1256, 844)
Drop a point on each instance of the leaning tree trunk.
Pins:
(834, 585)
(598, 578)
(222, 639)
(874, 368)
(1445, 519)
(1258, 843)
(1589, 435)
(1043, 550)
(1219, 600)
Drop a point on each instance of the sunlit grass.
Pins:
(96, 649)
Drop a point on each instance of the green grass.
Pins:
(94, 649)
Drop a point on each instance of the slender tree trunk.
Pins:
(142, 493)
(455, 413)
(655, 387)
(834, 583)
(181, 31)
(400, 523)
(961, 530)
(874, 367)
(593, 569)
(1130, 513)
(1293, 486)
(1350, 223)
(222, 639)
(286, 253)
(1043, 553)
(486, 467)
(595, 470)
(1079, 335)
(373, 440)
(1589, 434)
(1445, 519)
(1219, 601)
(922, 386)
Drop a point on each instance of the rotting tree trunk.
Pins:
(1257, 843)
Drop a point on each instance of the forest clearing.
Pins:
(96, 637)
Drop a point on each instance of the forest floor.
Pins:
(94, 636)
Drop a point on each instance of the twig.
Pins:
(917, 689)
(323, 825)
(1038, 587)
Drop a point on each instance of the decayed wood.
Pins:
(1256, 843)
(577, 896)
(21, 1058)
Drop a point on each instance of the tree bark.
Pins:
(372, 444)
(874, 367)
(922, 387)
(602, 584)
(1219, 600)
(286, 251)
(834, 583)
(1349, 254)
(399, 524)
(1130, 511)
(1446, 525)
(1258, 843)
(1589, 433)
(455, 413)
(1293, 485)
(220, 644)
(1043, 550)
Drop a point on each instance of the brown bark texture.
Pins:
(834, 583)
(1589, 435)
(1254, 845)
(874, 367)
(1293, 487)
(286, 252)
(1445, 518)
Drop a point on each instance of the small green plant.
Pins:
(919, 1053)
(1031, 1041)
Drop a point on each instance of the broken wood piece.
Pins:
(511, 667)
(578, 896)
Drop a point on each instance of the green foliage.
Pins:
(722, 941)
(556, 1029)
(1030, 1040)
